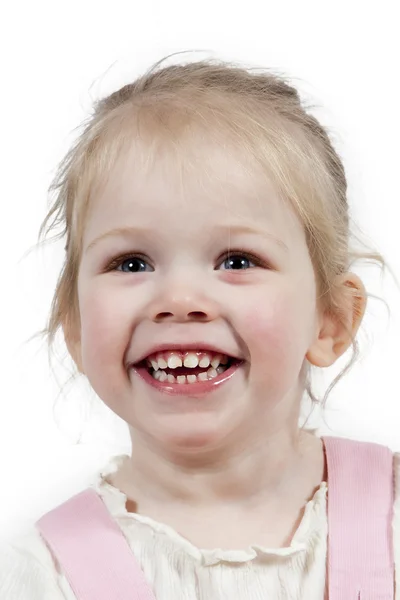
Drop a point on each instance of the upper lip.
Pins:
(184, 346)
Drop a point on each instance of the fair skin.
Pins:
(232, 468)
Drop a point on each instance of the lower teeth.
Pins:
(162, 376)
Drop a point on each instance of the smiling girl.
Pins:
(206, 272)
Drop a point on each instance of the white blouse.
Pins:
(177, 570)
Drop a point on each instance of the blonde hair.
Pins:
(262, 115)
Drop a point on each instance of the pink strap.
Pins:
(99, 564)
(360, 513)
(92, 551)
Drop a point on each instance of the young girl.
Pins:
(206, 272)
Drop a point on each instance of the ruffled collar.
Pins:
(309, 529)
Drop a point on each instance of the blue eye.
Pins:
(133, 265)
(130, 264)
(237, 262)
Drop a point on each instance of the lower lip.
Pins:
(188, 389)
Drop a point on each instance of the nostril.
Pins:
(164, 315)
(197, 315)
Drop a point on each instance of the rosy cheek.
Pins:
(269, 329)
(101, 327)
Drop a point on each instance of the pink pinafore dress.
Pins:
(97, 561)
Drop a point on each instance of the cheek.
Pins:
(105, 328)
(276, 332)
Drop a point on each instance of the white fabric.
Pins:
(177, 570)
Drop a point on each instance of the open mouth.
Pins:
(187, 371)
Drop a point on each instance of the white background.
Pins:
(56, 57)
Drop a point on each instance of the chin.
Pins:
(191, 436)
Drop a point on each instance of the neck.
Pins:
(265, 469)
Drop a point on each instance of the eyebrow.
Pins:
(226, 229)
(245, 230)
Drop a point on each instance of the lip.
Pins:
(198, 388)
(182, 347)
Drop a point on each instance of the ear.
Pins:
(334, 335)
(73, 341)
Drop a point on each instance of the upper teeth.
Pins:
(173, 360)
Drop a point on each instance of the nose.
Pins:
(182, 304)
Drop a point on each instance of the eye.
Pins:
(239, 261)
(130, 264)
(234, 261)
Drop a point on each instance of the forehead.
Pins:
(166, 185)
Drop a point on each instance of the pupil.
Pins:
(237, 262)
(134, 265)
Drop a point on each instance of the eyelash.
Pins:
(258, 262)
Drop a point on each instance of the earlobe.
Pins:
(321, 353)
(336, 333)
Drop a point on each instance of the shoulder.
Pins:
(27, 570)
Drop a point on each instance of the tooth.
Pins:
(216, 360)
(174, 361)
(191, 378)
(211, 373)
(191, 360)
(204, 362)
(162, 363)
(156, 375)
(171, 378)
(224, 359)
(163, 376)
(154, 364)
(220, 370)
(181, 379)
(202, 376)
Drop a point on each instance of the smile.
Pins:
(187, 372)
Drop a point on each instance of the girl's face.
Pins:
(217, 264)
